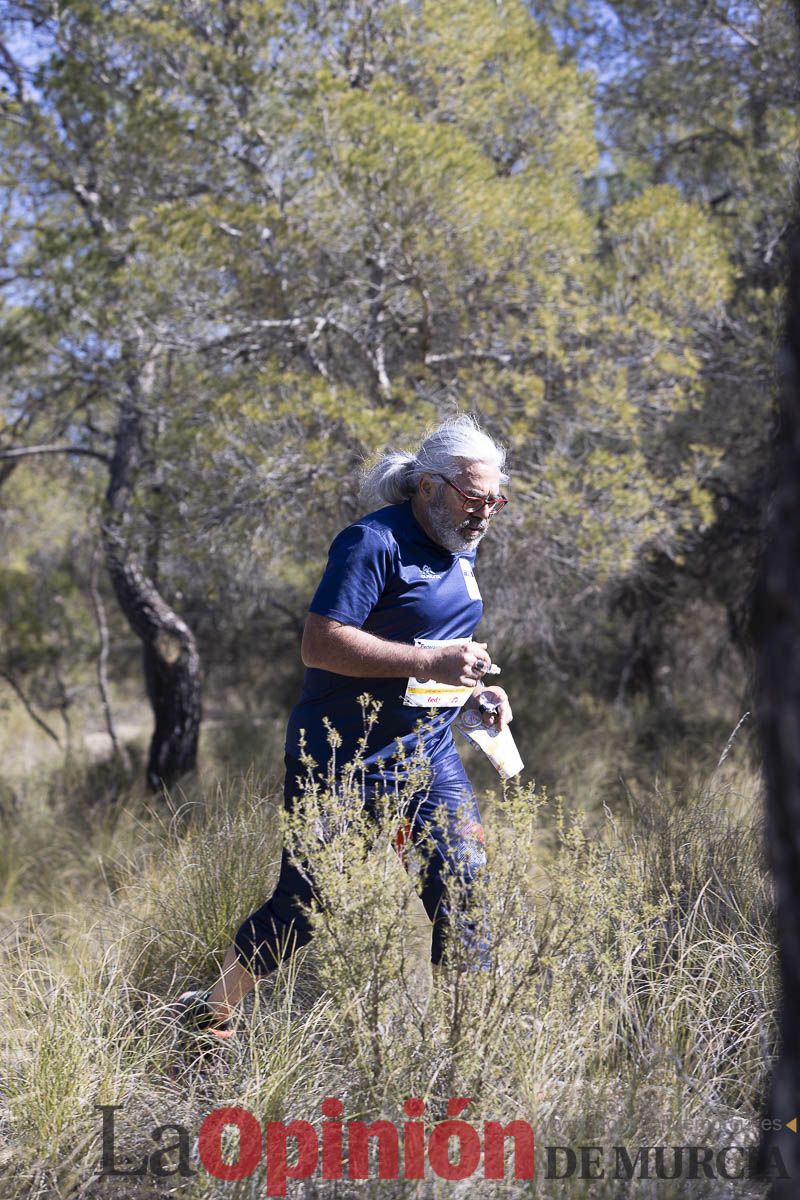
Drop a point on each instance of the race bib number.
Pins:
(427, 693)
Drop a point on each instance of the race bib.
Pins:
(469, 579)
(426, 693)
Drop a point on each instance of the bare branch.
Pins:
(102, 664)
(312, 354)
(14, 71)
(737, 29)
(286, 323)
(472, 355)
(12, 683)
(27, 451)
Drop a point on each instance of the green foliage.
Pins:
(46, 625)
(299, 233)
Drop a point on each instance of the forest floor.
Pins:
(630, 1000)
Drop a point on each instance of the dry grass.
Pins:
(630, 1001)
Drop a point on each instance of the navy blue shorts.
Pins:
(274, 931)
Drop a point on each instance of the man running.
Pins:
(397, 578)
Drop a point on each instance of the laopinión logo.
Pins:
(663, 1162)
(325, 1151)
(453, 1148)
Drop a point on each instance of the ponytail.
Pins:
(392, 480)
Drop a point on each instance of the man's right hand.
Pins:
(461, 664)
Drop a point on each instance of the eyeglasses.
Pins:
(474, 504)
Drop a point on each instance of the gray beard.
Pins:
(445, 533)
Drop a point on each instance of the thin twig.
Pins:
(102, 664)
(12, 683)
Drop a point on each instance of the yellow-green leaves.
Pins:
(324, 226)
(668, 258)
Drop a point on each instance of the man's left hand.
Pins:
(504, 714)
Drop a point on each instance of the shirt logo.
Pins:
(427, 573)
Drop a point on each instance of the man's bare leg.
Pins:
(232, 986)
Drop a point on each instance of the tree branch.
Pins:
(13, 71)
(470, 355)
(12, 683)
(102, 664)
(26, 451)
(737, 29)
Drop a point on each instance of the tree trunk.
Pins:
(776, 629)
(172, 668)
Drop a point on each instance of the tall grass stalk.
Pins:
(630, 998)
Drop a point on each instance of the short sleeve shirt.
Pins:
(386, 576)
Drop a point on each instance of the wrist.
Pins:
(422, 662)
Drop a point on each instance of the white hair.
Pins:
(396, 475)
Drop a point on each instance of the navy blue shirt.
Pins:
(386, 576)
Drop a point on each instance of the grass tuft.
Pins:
(630, 1000)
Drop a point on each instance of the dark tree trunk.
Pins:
(172, 666)
(776, 629)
